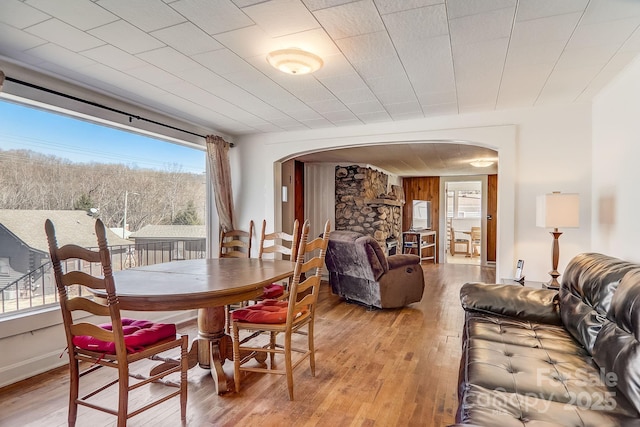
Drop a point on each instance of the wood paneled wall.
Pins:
(422, 188)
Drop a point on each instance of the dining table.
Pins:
(204, 284)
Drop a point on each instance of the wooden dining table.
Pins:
(204, 284)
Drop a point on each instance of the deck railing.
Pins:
(37, 288)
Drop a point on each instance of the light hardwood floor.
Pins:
(373, 368)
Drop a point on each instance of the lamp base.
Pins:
(555, 255)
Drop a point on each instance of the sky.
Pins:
(23, 127)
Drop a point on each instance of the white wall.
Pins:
(616, 173)
(540, 150)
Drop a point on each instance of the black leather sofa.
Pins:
(359, 271)
(545, 358)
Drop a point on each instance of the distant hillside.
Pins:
(30, 180)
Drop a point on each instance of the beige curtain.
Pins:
(218, 152)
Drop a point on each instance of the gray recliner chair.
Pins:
(359, 271)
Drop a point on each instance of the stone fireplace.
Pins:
(363, 204)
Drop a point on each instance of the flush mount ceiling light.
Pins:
(481, 163)
(294, 61)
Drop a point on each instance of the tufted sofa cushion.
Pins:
(533, 357)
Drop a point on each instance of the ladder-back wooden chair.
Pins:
(458, 241)
(282, 317)
(236, 243)
(278, 245)
(116, 344)
(476, 241)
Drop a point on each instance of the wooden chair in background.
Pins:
(282, 317)
(476, 241)
(236, 243)
(116, 344)
(458, 241)
(278, 245)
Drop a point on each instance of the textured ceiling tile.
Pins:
(367, 107)
(148, 15)
(318, 123)
(514, 94)
(339, 116)
(14, 40)
(20, 15)
(396, 96)
(534, 9)
(533, 54)
(247, 42)
(611, 34)
(436, 98)
(567, 85)
(214, 17)
(412, 107)
(347, 84)
(409, 29)
(126, 37)
(64, 35)
(222, 62)
(481, 27)
(374, 117)
(169, 60)
(367, 47)
(585, 57)
(281, 17)
(461, 8)
(82, 14)
(56, 54)
(204, 78)
(153, 75)
(114, 57)
(608, 10)
(543, 30)
(327, 106)
(187, 38)
(323, 4)
(391, 6)
(350, 19)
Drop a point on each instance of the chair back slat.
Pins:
(279, 242)
(89, 329)
(84, 279)
(78, 252)
(86, 305)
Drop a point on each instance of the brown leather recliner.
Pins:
(360, 271)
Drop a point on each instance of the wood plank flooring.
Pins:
(373, 368)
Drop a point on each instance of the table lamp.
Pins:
(557, 210)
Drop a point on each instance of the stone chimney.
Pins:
(363, 204)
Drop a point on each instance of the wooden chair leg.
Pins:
(74, 383)
(312, 353)
(236, 358)
(272, 345)
(288, 364)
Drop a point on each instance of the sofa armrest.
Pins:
(400, 260)
(537, 305)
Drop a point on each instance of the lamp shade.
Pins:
(558, 210)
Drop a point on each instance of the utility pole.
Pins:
(124, 220)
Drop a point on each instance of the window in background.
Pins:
(76, 169)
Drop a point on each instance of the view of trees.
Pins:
(30, 180)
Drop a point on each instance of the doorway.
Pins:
(465, 207)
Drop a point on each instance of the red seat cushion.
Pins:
(273, 291)
(268, 311)
(137, 335)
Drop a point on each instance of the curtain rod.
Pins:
(95, 104)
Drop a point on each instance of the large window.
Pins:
(58, 166)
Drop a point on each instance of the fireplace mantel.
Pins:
(388, 202)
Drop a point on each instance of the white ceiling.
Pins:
(203, 61)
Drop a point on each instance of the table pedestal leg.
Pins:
(214, 343)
